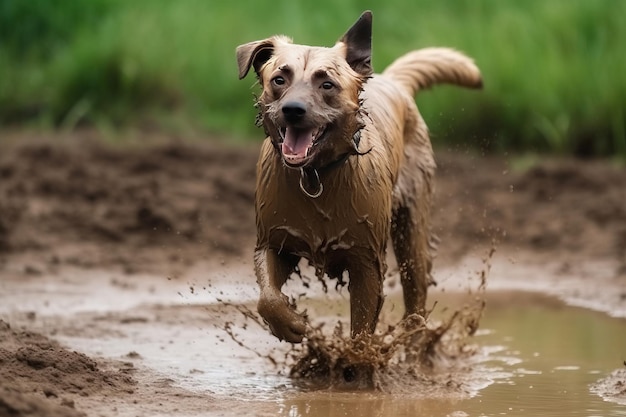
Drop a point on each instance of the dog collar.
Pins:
(310, 183)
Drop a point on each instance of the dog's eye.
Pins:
(278, 80)
(327, 85)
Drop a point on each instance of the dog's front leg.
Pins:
(366, 294)
(272, 271)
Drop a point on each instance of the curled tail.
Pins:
(423, 68)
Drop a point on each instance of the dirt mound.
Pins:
(196, 199)
(39, 377)
(558, 208)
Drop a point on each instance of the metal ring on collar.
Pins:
(317, 179)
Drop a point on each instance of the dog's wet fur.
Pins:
(346, 165)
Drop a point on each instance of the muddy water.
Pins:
(555, 352)
(534, 355)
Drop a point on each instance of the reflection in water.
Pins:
(335, 405)
(538, 359)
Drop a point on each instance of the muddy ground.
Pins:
(162, 206)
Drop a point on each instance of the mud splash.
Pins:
(418, 354)
(613, 387)
(415, 353)
(411, 354)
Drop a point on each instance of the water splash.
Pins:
(418, 354)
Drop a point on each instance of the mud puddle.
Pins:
(533, 354)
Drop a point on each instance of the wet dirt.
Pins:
(32, 363)
(130, 260)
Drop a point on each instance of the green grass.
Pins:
(553, 69)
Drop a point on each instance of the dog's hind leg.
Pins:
(410, 244)
(410, 227)
(272, 271)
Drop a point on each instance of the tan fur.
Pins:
(421, 69)
(374, 162)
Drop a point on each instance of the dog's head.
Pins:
(310, 105)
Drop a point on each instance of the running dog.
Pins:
(347, 164)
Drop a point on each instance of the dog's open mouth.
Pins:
(297, 143)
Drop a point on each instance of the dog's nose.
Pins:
(294, 111)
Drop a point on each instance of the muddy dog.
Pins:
(347, 163)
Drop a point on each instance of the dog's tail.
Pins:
(423, 68)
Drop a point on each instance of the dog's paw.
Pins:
(283, 320)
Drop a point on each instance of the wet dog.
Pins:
(347, 163)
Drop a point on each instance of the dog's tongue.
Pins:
(296, 142)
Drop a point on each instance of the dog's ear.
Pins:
(358, 41)
(254, 54)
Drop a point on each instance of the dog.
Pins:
(346, 165)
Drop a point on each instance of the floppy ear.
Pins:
(254, 54)
(358, 41)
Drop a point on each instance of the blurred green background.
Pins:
(554, 70)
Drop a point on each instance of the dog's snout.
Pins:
(294, 111)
